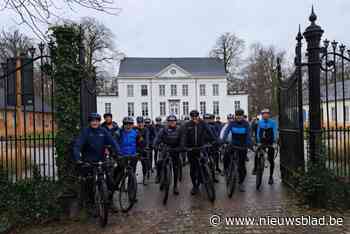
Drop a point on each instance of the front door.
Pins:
(174, 108)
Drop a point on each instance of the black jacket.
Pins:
(169, 136)
(194, 135)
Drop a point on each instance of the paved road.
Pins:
(190, 214)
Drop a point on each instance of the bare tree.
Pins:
(13, 43)
(99, 41)
(229, 48)
(35, 12)
(262, 77)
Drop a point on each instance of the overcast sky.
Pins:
(189, 28)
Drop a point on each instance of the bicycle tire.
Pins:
(180, 171)
(167, 181)
(128, 188)
(102, 203)
(232, 179)
(259, 171)
(208, 182)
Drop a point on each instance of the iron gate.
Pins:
(291, 118)
(322, 107)
(27, 120)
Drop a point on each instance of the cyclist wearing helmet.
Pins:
(240, 134)
(130, 140)
(92, 141)
(152, 136)
(209, 119)
(218, 124)
(157, 128)
(229, 120)
(170, 136)
(196, 133)
(143, 131)
(90, 146)
(109, 124)
(267, 135)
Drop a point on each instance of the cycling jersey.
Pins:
(91, 144)
(267, 131)
(128, 141)
(240, 133)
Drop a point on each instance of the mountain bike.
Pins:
(231, 174)
(100, 189)
(204, 175)
(128, 182)
(166, 176)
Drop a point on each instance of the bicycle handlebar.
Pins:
(199, 147)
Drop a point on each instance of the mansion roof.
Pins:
(149, 67)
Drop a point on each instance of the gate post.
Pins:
(313, 34)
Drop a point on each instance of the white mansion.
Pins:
(160, 86)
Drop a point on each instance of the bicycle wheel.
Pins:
(232, 178)
(101, 202)
(260, 165)
(127, 192)
(167, 181)
(180, 171)
(208, 182)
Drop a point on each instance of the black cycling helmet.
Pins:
(206, 116)
(140, 119)
(128, 120)
(171, 118)
(148, 121)
(107, 115)
(239, 112)
(94, 116)
(158, 119)
(194, 113)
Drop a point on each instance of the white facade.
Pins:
(166, 91)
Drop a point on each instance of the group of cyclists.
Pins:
(151, 141)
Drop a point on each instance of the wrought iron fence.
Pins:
(27, 135)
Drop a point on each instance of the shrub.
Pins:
(33, 200)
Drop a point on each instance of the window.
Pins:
(144, 90)
(202, 107)
(202, 89)
(144, 108)
(108, 107)
(131, 109)
(173, 90)
(185, 90)
(215, 90)
(185, 108)
(130, 90)
(333, 113)
(162, 108)
(237, 105)
(216, 108)
(347, 113)
(161, 90)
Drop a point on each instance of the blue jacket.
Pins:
(128, 141)
(267, 131)
(91, 144)
(240, 133)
